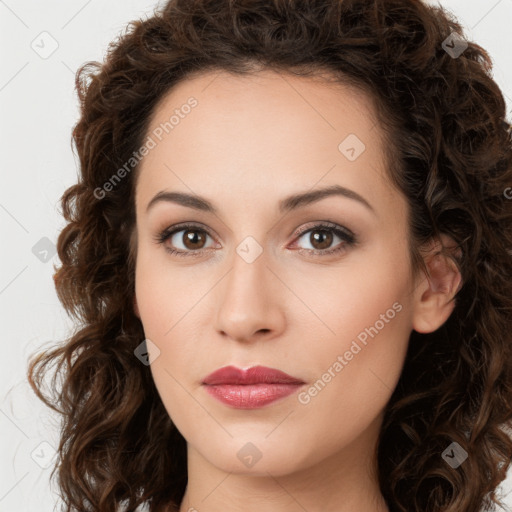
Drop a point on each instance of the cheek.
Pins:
(365, 318)
(345, 300)
(164, 295)
(368, 346)
(353, 375)
(167, 300)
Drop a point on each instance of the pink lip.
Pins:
(252, 388)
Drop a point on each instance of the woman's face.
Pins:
(255, 282)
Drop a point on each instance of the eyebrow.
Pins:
(287, 204)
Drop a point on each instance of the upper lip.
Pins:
(254, 375)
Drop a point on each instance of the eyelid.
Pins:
(322, 224)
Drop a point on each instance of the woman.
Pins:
(289, 252)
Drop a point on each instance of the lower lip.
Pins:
(250, 396)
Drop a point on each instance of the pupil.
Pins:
(192, 237)
(326, 236)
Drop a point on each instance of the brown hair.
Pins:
(451, 155)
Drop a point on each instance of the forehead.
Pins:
(265, 96)
(273, 131)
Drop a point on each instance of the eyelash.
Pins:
(345, 234)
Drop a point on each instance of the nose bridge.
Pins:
(249, 301)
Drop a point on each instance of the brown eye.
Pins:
(320, 239)
(184, 240)
(193, 239)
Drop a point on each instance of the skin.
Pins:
(250, 142)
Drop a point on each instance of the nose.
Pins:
(251, 304)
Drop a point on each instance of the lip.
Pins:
(252, 388)
(253, 375)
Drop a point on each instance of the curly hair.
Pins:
(450, 154)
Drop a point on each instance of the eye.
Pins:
(185, 239)
(321, 237)
(190, 239)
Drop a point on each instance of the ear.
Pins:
(434, 293)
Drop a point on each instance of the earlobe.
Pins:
(434, 297)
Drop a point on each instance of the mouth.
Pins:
(252, 388)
